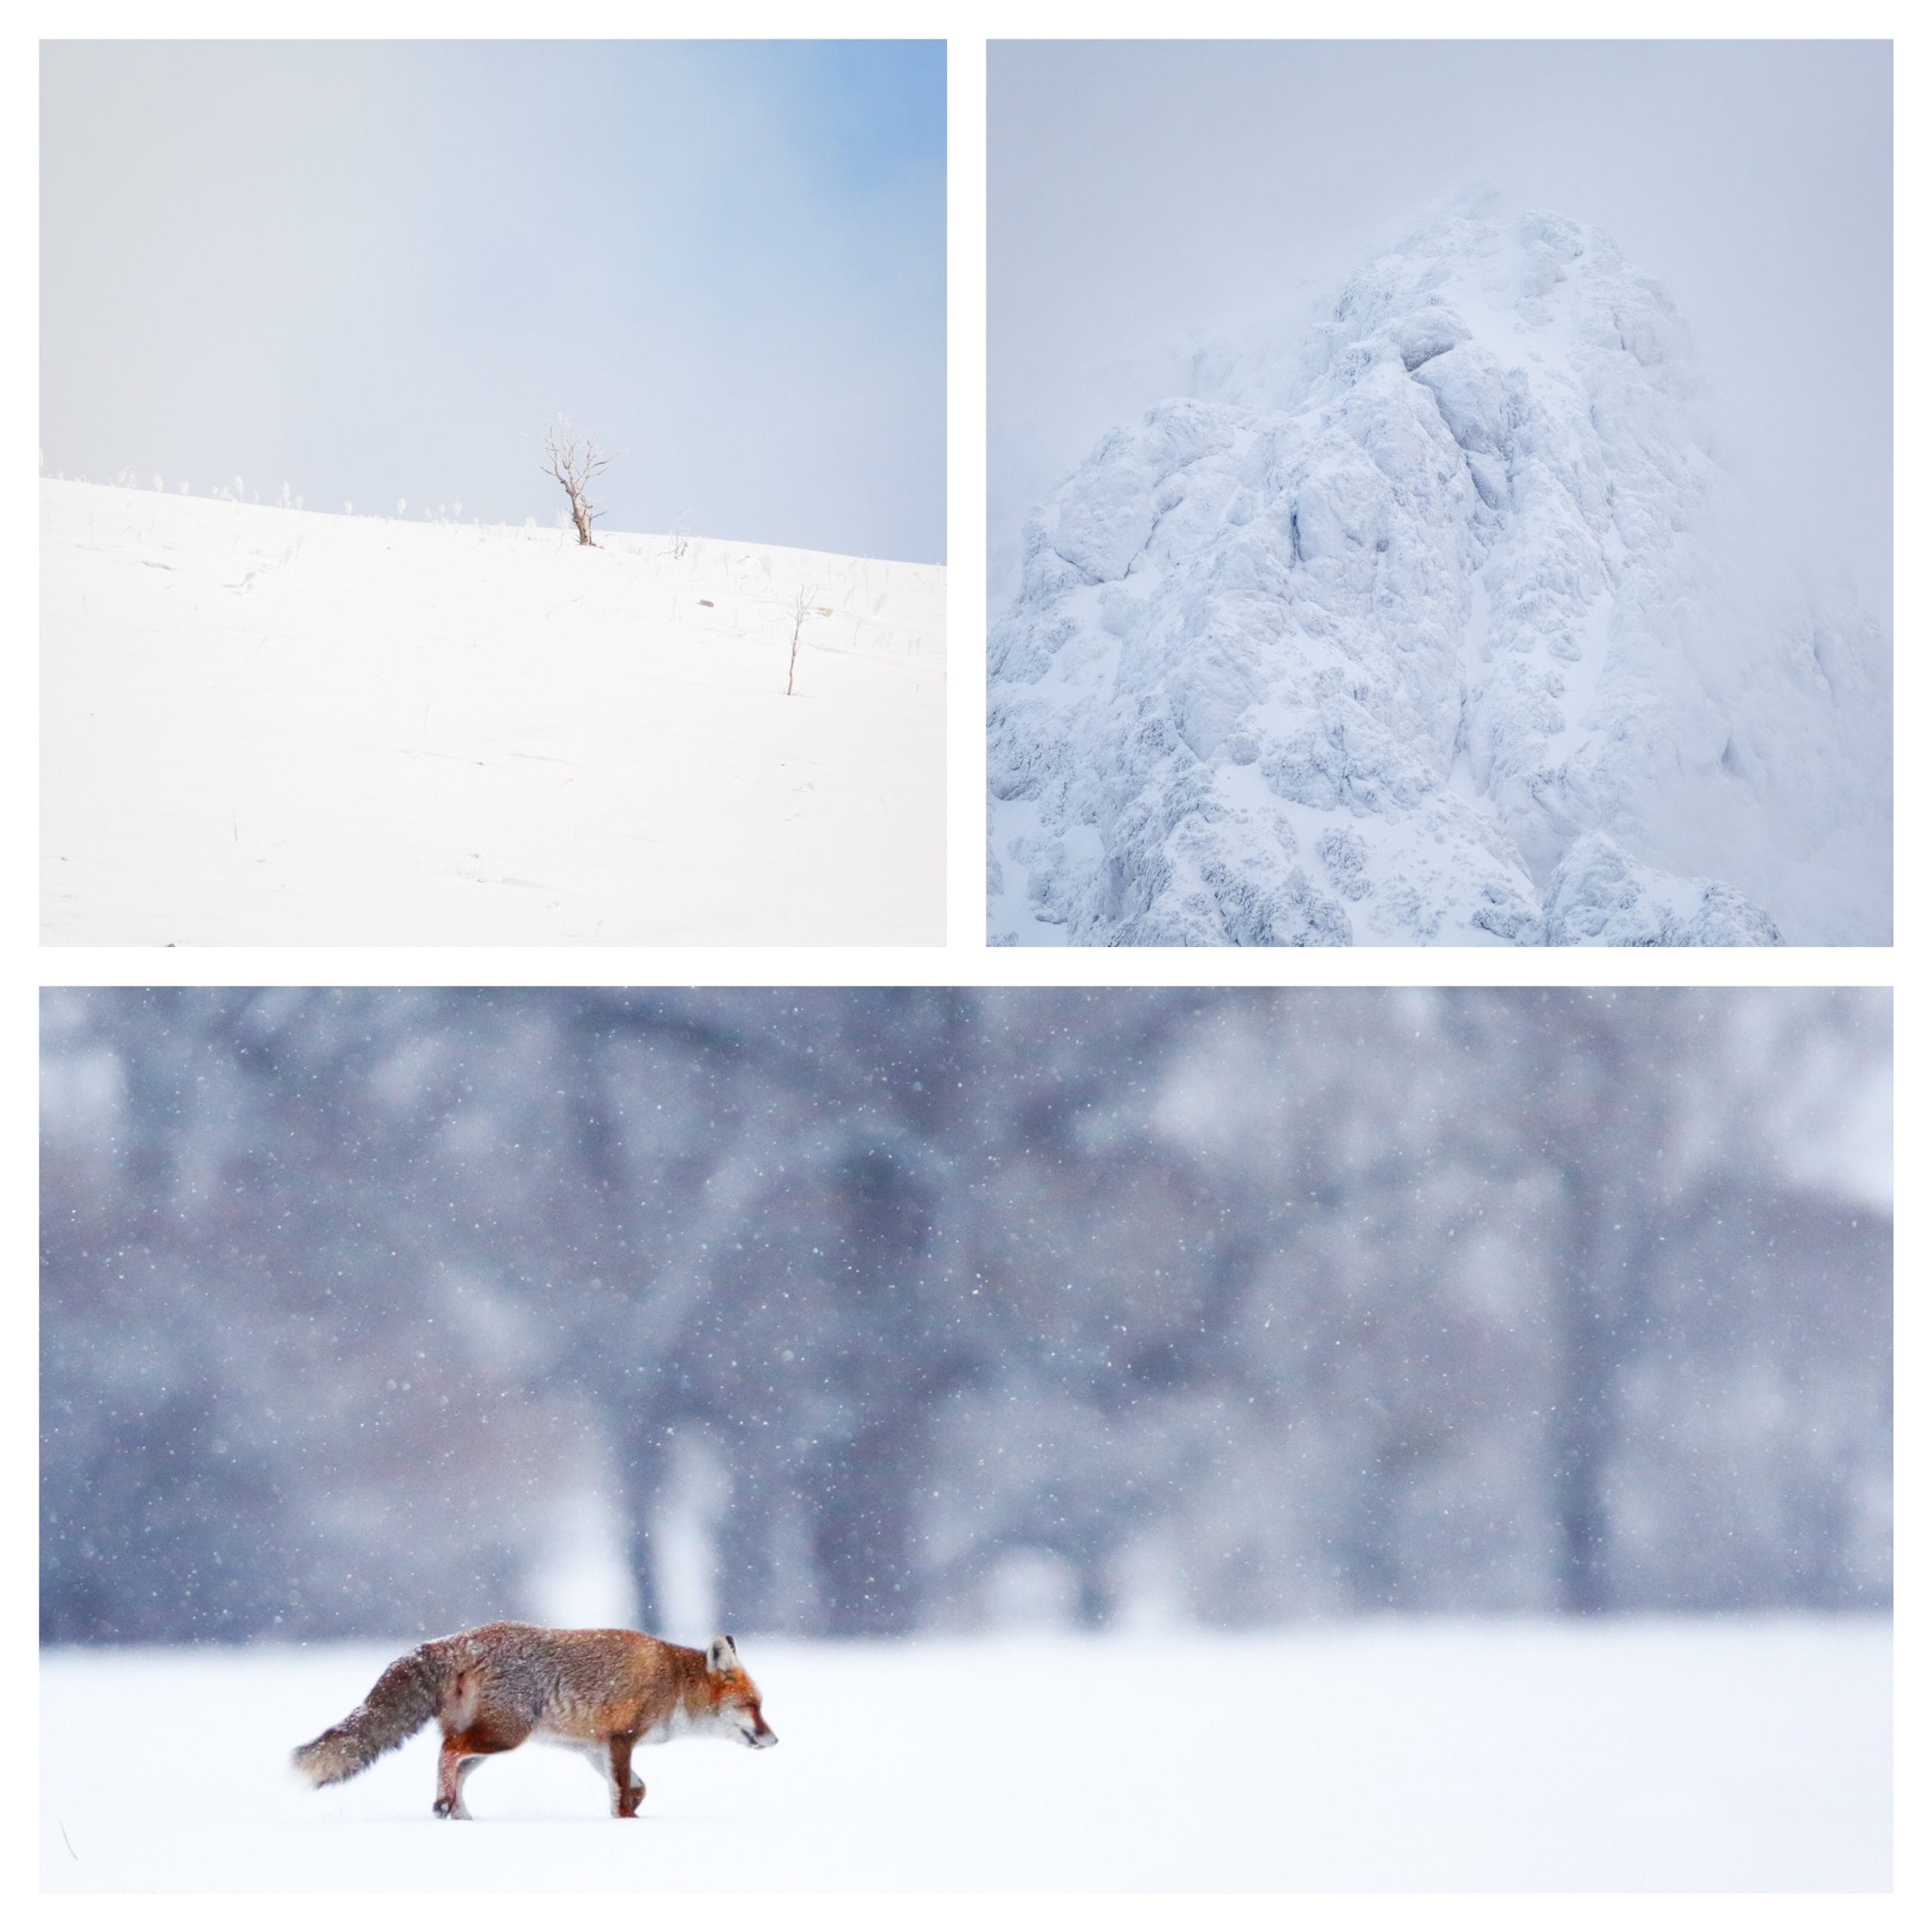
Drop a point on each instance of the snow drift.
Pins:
(1632, 1755)
(1445, 626)
(268, 726)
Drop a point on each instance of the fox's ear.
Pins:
(723, 1656)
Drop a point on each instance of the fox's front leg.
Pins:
(626, 1794)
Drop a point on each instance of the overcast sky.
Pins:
(373, 270)
(1138, 190)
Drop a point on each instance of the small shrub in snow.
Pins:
(801, 604)
(573, 461)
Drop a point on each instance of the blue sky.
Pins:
(374, 270)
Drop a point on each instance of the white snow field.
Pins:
(265, 725)
(1693, 1755)
(1439, 621)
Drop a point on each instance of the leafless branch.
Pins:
(800, 606)
(574, 460)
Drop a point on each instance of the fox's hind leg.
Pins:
(627, 1792)
(452, 1770)
(462, 1752)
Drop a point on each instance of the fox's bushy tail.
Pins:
(405, 1698)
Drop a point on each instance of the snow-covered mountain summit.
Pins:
(1442, 624)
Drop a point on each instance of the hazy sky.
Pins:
(1140, 190)
(373, 270)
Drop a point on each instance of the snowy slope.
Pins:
(1362, 639)
(262, 725)
(1752, 1756)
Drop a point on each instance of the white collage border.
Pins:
(26, 966)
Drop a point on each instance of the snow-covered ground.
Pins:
(264, 725)
(1705, 1755)
(1435, 619)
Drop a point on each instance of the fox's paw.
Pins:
(445, 1807)
(627, 1805)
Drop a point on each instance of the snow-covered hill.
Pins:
(1623, 1754)
(1441, 625)
(263, 726)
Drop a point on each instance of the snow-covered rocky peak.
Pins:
(1361, 637)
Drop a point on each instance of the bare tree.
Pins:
(800, 607)
(574, 460)
(1465, 1300)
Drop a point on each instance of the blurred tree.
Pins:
(1264, 1301)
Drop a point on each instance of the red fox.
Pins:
(600, 1692)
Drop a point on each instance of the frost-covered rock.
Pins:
(1358, 641)
(1600, 895)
